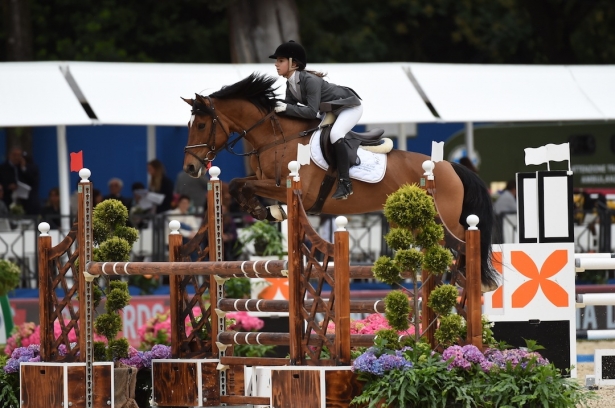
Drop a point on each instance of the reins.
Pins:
(229, 145)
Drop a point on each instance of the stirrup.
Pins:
(344, 189)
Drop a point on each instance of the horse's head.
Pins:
(206, 135)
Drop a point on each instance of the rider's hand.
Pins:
(280, 106)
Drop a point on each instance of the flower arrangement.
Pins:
(462, 376)
(29, 333)
(157, 329)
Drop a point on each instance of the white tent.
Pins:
(48, 93)
(37, 94)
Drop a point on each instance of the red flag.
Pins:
(76, 161)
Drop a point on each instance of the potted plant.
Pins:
(113, 243)
(266, 238)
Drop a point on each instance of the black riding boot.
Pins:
(344, 185)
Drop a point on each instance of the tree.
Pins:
(257, 28)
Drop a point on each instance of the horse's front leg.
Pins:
(247, 190)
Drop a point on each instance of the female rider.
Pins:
(307, 94)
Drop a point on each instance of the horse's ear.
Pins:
(188, 101)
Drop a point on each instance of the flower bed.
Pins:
(462, 376)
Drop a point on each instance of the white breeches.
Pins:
(345, 121)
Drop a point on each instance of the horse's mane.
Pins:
(256, 88)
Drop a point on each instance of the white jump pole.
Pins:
(596, 299)
(593, 263)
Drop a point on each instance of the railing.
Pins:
(18, 243)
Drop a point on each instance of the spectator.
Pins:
(195, 188)
(97, 196)
(115, 191)
(19, 169)
(5, 225)
(51, 211)
(507, 201)
(161, 184)
(189, 224)
(232, 249)
(137, 214)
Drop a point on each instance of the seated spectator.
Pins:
(507, 201)
(115, 191)
(51, 211)
(189, 224)
(138, 216)
(161, 184)
(195, 188)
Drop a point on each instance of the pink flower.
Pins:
(244, 322)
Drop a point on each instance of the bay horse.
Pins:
(246, 108)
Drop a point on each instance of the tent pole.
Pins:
(470, 141)
(402, 143)
(151, 143)
(63, 176)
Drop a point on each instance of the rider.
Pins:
(307, 94)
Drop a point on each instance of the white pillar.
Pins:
(470, 141)
(63, 177)
(151, 143)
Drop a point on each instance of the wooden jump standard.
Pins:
(306, 336)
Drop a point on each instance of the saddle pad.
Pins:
(372, 167)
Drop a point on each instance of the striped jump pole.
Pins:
(595, 334)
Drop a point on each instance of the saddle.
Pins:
(352, 141)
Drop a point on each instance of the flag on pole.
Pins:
(437, 151)
(76, 161)
(536, 156)
(559, 152)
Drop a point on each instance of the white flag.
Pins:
(559, 152)
(437, 151)
(536, 156)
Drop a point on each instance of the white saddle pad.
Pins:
(372, 167)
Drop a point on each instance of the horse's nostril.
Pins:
(189, 169)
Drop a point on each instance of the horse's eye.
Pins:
(201, 126)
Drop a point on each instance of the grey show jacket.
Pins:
(315, 93)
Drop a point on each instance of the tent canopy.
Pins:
(509, 93)
(36, 94)
(123, 93)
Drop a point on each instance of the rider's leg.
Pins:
(346, 120)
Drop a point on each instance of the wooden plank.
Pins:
(76, 386)
(341, 386)
(175, 306)
(211, 384)
(295, 270)
(103, 379)
(244, 400)
(42, 386)
(44, 278)
(175, 384)
(295, 388)
(235, 380)
(342, 298)
(473, 286)
(254, 361)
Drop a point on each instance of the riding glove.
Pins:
(280, 106)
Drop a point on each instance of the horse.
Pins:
(246, 109)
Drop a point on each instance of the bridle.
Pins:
(211, 142)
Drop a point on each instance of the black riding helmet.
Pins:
(292, 50)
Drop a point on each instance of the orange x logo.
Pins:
(526, 266)
(497, 299)
(275, 284)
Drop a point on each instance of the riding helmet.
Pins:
(292, 50)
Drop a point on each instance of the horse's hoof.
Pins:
(260, 213)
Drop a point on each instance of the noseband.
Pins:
(211, 143)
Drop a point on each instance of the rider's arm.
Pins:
(313, 87)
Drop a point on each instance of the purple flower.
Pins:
(12, 366)
(473, 354)
(160, 351)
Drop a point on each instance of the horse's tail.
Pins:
(477, 201)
